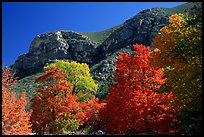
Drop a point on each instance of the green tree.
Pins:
(80, 78)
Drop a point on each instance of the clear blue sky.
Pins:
(22, 21)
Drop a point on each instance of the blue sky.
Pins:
(22, 21)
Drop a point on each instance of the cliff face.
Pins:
(140, 29)
(45, 48)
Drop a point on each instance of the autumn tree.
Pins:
(132, 104)
(15, 120)
(167, 38)
(179, 50)
(55, 107)
(80, 78)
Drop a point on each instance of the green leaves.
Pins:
(78, 75)
(67, 123)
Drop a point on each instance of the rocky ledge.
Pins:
(70, 45)
(47, 47)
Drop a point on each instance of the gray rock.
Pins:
(47, 47)
(140, 29)
(70, 45)
(100, 132)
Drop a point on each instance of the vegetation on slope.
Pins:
(100, 36)
(27, 85)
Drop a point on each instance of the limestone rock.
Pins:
(70, 45)
(47, 47)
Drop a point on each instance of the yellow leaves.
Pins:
(78, 75)
(176, 20)
(175, 46)
(156, 50)
(164, 30)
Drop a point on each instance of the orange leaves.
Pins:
(15, 120)
(7, 78)
(176, 47)
(62, 86)
(141, 50)
(52, 101)
(50, 75)
(55, 107)
(176, 20)
(166, 40)
(156, 50)
(132, 105)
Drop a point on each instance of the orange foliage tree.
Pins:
(55, 107)
(15, 120)
(132, 104)
(179, 51)
(167, 39)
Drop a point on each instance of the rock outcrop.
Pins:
(141, 29)
(47, 47)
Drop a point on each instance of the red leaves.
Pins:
(132, 104)
(15, 120)
(141, 50)
(52, 101)
(55, 101)
(50, 75)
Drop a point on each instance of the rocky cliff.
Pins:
(45, 48)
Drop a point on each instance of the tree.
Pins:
(80, 78)
(55, 107)
(15, 120)
(179, 50)
(166, 40)
(132, 104)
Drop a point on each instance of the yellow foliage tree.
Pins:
(79, 76)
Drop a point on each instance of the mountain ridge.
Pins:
(92, 48)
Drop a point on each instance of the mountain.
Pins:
(94, 48)
(98, 49)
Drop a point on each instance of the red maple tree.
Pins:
(132, 104)
(55, 106)
(15, 120)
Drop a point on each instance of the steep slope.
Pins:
(139, 29)
(100, 36)
(94, 47)
(98, 49)
(55, 45)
